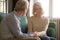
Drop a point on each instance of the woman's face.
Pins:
(37, 10)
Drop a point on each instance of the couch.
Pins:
(24, 25)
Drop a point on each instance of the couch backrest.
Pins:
(2, 15)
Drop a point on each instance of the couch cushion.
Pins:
(51, 30)
(52, 25)
(2, 15)
(24, 24)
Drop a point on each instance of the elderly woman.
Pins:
(38, 23)
(11, 23)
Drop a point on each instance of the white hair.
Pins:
(37, 3)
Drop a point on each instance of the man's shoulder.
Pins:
(10, 15)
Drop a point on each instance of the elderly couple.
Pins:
(11, 25)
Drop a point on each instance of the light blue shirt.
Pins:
(12, 24)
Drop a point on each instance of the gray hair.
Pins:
(21, 5)
(37, 3)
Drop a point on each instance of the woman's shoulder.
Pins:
(46, 18)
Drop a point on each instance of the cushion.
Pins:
(2, 15)
(52, 25)
(24, 24)
(51, 30)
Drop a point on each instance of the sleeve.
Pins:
(47, 25)
(42, 33)
(14, 26)
(30, 29)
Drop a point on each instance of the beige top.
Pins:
(37, 24)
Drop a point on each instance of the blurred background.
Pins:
(51, 10)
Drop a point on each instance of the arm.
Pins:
(44, 31)
(14, 27)
(47, 25)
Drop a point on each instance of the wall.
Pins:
(9, 5)
(14, 2)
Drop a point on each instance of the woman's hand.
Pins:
(36, 36)
(41, 33)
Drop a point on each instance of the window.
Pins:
(45, 6)
(30, 8)
(3, 6)
(56, 9)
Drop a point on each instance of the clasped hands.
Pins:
(36, 34)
